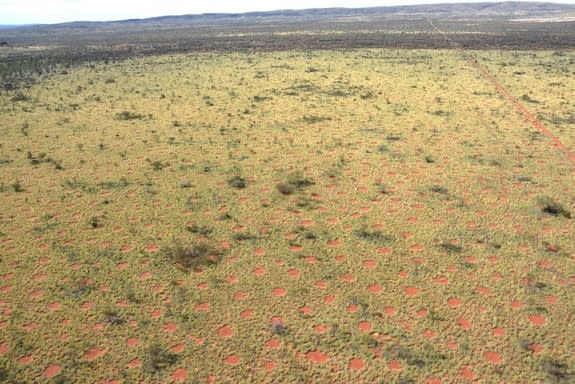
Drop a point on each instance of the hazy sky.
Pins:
(56, 11)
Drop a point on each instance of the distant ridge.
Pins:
(501, 25)
(501, 9)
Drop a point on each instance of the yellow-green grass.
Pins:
(411, 183)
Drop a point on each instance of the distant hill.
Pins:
(498, 9)
(513, 24)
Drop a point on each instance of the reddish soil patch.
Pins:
(25, 359)
(483, 291)
(232, 360)
(311, 259)
(384, 251)
(145, 275)
(516, 304)
(364, 326)
(136, 363)
(152, 248)
(429, 334)
(279, 292)
(259, 271)
(319, 329)
(126, 248)
(179, 374)
(259, 251)
(246, 314)
(411, 291)
(545, 264)
(421, 313)
(4, 349)
(329, 299)
(552, 299)
(239, 295)
(202, 307)
(454, 302)
(54, 306)
(416, 248)
(453, 345)
(537, 320)
(375, 288)
(132, 342)
(353, 308)
(466, 373)
(492, 357)
(536, 349)
(270, 366)
(30, 326)
(226, 331)
(334, 243)
(390, 311)
(395, 365)
(356, 364)
(178, 348)
(52, 371)
(296, 248)
(39, 277)
(441, 280)
(305, 310)
(232, 279)
(122, 265)
(93, 354)
(369, 264)
(273, 344)
(293, 273)
(348, 278)
(498, 331)
(317, 357)
(171, 327)
(464, 323)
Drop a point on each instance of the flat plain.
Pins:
(352, 215)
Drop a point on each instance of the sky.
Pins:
(58, 11)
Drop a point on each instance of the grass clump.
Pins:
(112, 317)
(372, 236)
(295, 182)
(127, 115)
(237, 182)
(557, 371)
(189, 258)
(19, 96)
(438, 189)
(312, 119)
(17, 187)
(158, 359)
(553, 208)
(451, 248)
(278, 328)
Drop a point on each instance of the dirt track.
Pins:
(519, 107)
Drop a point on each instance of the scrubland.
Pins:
(301, 216)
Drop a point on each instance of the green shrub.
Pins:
(189, 258)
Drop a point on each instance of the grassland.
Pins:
(359, 215)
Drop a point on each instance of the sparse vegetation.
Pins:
(189, 258)
(158, 359)
(249, 212)
(553, 208)
(295, 182)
